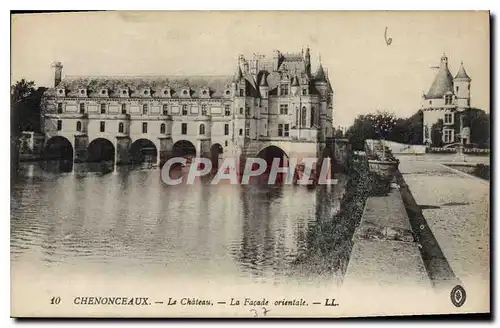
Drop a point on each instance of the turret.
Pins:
(295, 85)
(307, 62)
(57, 66)
(263, 86)
(461, 85)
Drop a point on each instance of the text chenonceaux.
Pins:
(228, 170)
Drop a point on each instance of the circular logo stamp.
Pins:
(458, 296)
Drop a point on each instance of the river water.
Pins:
(129, 219)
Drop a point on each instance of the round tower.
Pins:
(461, 88)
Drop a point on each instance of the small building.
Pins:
(447, 100)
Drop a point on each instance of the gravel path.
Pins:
(456, 208)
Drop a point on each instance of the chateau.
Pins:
(447, 99)
(273, 102)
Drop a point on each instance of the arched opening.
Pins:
(78, 126)
(313, 117)
(58, 154)
(101, 150)
(183, 148)
(202, 129)
(58, 148)
(143, 151)
(269, 154)
(215, 154)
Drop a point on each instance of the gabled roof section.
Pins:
(320, 75)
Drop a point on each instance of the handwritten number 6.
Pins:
(388, 41)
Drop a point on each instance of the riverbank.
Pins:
(330, 239)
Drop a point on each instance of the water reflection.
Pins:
(130, 219)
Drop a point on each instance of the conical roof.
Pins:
(239, 74)
(320, 74)
(263, 81)
(442, 83)
(295, 82)
(462, 74)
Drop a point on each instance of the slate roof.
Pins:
(462, 74)
(442, 84)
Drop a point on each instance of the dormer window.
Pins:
(228, 92)
(205, 93)
(60, 92)
(166, 92)
(185, 92)
(448, 99)
(83, 92)
(304, 92)
(284, 90)
(104, 92)
(145, 92)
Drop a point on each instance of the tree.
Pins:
(437, 133)
(409, 130)
(25, 106)
(370, 126)
(479, 123)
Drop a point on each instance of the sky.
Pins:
(366, 73)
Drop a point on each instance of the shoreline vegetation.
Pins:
(330, 238)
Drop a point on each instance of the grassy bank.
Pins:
(330, 239)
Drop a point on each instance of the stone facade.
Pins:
(447, 98)
(269, 101)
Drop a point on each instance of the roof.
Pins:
(442, 84)
(462, 74)
(263, 80)
(136, 85)
(320, 74)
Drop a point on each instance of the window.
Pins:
(145, 92)
(165, 92)
(448, 118)
(241, 110)
(59, 108)
(162, 128)
(184, 109)
(78, 126)
(304, 92)
(242, 92)
(448, 136)
(247, 111)
(241, 132)
(284, 90)
(280, 130)
(184, 92)
(468, 102)
(247, 132)
(202, 129)
(287, 130)
(226, 129)
(59, 125)
(82, 91)
(144, 109)
(103, 91)
(227, 110)
(165, 109)
(303, 117)
(313, 116)
(82, 108)
(103, 108)
(102, 126)
(430, 102)
(204, 110)
(284, 109)
(225, 143)
(228, 92)
(468, 87)
(184, 128)
(457, 88)
(124, 109)
(120, 127)
(448, 99)
(144, 127)
(124, 92)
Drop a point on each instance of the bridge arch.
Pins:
(100, 150)
(271, 152)
(183, 148)
(215, 151)
(143, 151)
(58, 148)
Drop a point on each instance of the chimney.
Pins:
(57, 72)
